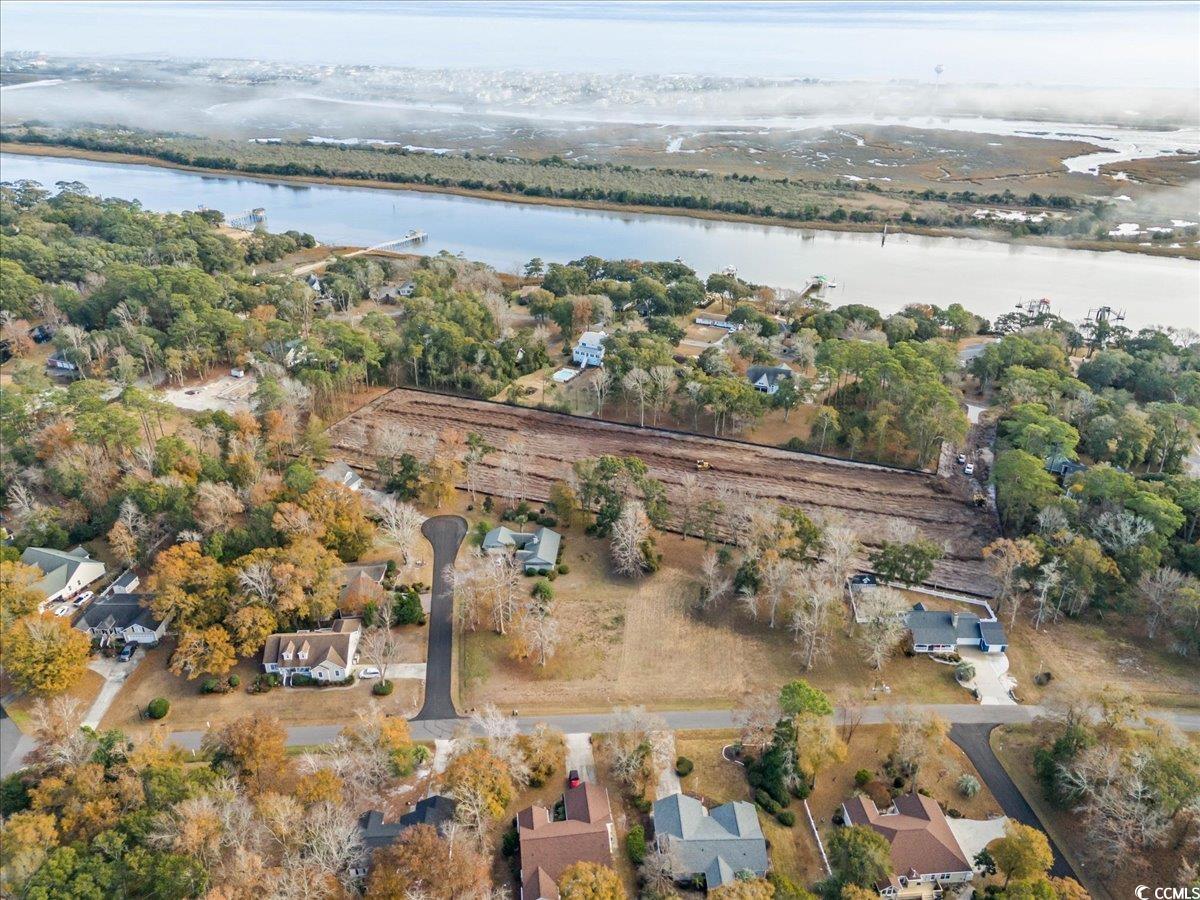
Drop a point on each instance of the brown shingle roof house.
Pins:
(548, 847)
(326, 655)
(925, 851)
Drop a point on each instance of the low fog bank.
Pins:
(237, 93)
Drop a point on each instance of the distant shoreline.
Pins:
(56, 150)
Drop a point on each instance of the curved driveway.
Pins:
(445, 534)
(974, 741)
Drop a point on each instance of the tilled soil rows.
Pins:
(866, 497)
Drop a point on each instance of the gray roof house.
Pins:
(125, 583)
(340, 473)
(936, 631)
(717, 843)
(121, 617)
(536, 550)
(767, 378)
(66, 571)
(326, 654)
(437, 811)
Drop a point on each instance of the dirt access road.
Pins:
(863, 495)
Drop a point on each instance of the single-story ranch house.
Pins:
(934, 631)
(926, 856)
(325, 655)
(721, 844)
(535, 550)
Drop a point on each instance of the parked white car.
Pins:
(84, 598)
(969, 469)
(65, 610)
(368, 672)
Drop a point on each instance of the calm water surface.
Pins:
(988, 277)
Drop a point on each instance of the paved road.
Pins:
(10, 740)
(973, 739)
(433, 728)
(445, 534)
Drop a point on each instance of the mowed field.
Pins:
(865, 497)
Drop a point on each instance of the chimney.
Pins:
(954, 619)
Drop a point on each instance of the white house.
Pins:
(340, 473)
(121, 617)
(66, 571)
(324, 655)
(768, 378)
(589, 349)
(719, 322)
(126, 583)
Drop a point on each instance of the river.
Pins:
(988, 277)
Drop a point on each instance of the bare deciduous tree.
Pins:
(629, 535)
(1158, 590)
(714, 581)
(758, 718)
(813, 615)
(401, 524)
(215, 506)
(879, 635)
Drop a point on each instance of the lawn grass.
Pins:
(191, 710)
(1014, 746)
(1104, 653)
(716, 780)
(636, 642)
(85, 690)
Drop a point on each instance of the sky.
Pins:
(1144, 44)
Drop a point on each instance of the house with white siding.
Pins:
(326, 654)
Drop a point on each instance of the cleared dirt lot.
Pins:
(865, 496)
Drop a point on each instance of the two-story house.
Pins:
(324, 655)
(589, 349)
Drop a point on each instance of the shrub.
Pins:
(786, 817)
(861, 777)
(158, 707)
(641, 804)
(382, 688)
(683, 767)
(552, 574)
(542, 591)
(510, 843)
(954, 813)
(209, 686)
(407, 609)
(898, 781)
(564, 569)
(766, 801)
(547, 520)
(635, 844)
(14, 795)
(234, 680)
(303, 681)
(801, 790)
(968, 785)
